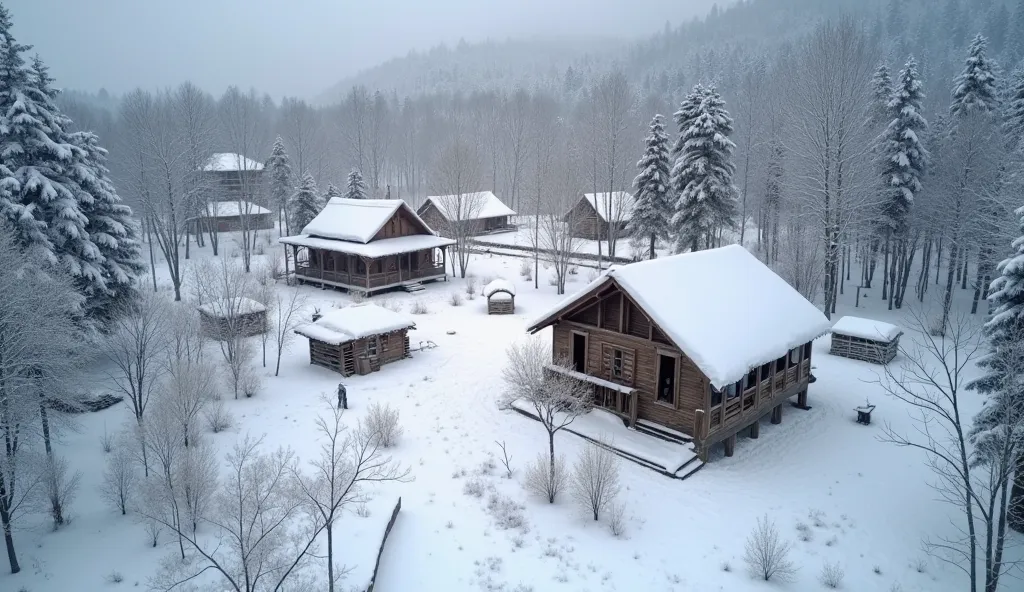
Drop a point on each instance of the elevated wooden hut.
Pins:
(368, 245)
(865, 339)
(667, 343)
(478, 213)
(240, 317)
(357, 339)
(501, 297)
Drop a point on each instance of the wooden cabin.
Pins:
(501, 297)
(865, 339)
(589, 217)
(242, 317)
(357, 339)
(478, 213)
(680, 342)
(368, 245)
(232, 216)
(232, 177)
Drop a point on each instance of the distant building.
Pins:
(591, 215)
(234, 187)
(481, 211)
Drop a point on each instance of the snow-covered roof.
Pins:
(374, 250)
(354, 322)
(866, 329)
(470, 206)
(499, 285)
(229, 161)
(355, 220)
(722, 307)
(229, 307)
(618, 205)
(228, 209)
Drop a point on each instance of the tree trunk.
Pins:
(872, 261)
(885, 270)
(1016, 511)
(551, 467)
(5, 521)
(152, 259)
(947, 299)
(330, 555)
(654, 255)
(963, 275)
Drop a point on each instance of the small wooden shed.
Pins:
(240, 317)
(357, 339)
(865, 339)
(501, 297)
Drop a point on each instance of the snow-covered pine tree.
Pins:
(649, 220)
(975, 89)
(280, 170)
(355, 188)
(305, 203)
(881, 85)
(332, 191)
(1003, 378)
(903, 163)
(1013, 122)
(703, 171)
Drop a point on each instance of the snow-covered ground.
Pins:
(865, 504)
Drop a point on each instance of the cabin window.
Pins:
(794, 356)
(751, 380)
(617, 363)
(667, 379)
(733, 390)
(716, 397)
(371, 346)
(378, 266)
(384, 342)
(807, 350)
(360, 266)
(780, 364)
(766, 371)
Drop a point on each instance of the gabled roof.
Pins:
(357, 220)
(617, 205)
(229, 161)
(354, 322)
(723, 308)
(470, 206)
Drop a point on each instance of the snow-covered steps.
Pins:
(413, 287)
(659, 431)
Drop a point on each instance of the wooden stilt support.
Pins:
(777, 414)
(730, 445)
(801, 399)
(755, 430)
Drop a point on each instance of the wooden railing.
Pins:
(374, 280)
(736, 409)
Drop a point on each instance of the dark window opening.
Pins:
(766, 371)
(667, 380)
(751, 380)
(716, 397)
(617, 363)
(780, 364)
(732, 391)
(579, 352)
(807, 351)
(794, 356)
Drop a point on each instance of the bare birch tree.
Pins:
(614, 103)
(287, 309)
(243, 121)
(456, 180)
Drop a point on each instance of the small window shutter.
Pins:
(606, 359)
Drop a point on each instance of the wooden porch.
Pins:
(366, 274)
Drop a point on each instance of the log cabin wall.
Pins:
(344, 358)
(400, 224)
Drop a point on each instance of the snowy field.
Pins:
(864, 504)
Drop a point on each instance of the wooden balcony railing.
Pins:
(375, 280)
(753, 400)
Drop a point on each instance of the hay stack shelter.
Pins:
(241, 317)
(368, 245)
(481, 213)
(357, 339)
(501, 297)
(865, 339)
(591, 215)
(677, 347)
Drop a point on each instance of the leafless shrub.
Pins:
(831, 575)
(726, 567)
(474, 488)
(250, 382)
(507, 513)
(362, 511)
(419, 307)
(391, 304)
(617, 519)
(877, 570)
(382, 424)
(357, 296)
(61, 487)
(545, 479)
(455, 299)
(526, 270)
(553, 280)
(120, 478)
(218, 418)
(805, 533)
(153, 529)
(470, 285)
(487, 466)
(115, 577)
(107, 440)
(595, 479)
(767, 555)
(506, 460)
(920, 565)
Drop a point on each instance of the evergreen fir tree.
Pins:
(280, 170)
(305, 203)
(703, 171)
(1013, 125)
(332, 191)
(881, 85)
(355, 188)
(649, 220)
(904, 158)
(975, 89)
(1003, 378)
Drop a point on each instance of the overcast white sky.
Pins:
(293, 47)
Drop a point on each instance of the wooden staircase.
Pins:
(413, 287)
(663, 433)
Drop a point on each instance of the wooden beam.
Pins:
(730, 445)
(755, 429)
(777, 414)
(622, 313)
(801, 399)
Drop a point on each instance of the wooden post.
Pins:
(801, 399)
(286, 281)
(755, 430)
(730, 445)
(366, 264)
(777, 414)
(321, 257)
